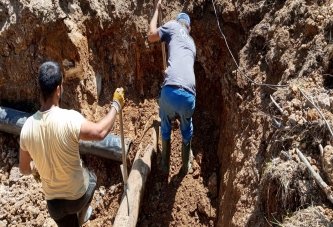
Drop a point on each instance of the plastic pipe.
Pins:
(12, 121)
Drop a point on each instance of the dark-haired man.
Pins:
(178, 92)
(51, 139)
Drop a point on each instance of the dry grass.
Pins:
(309, 217)
(279, 184)
(286, 186)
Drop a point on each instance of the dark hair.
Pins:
(49, 77)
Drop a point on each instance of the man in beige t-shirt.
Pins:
(51, 139)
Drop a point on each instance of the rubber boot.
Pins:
(186, 154)
(166, 148)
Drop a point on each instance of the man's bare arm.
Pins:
(153, 34)
(24, 164)
(98, 131)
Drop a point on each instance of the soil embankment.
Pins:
(239, 176)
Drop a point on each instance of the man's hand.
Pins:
(158, 4)
(118, 99)
(34, 172)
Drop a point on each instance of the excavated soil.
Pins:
(246, 171)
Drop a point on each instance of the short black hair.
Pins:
(49, 78)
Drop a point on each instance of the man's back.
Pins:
(52, 137)
(182, 53)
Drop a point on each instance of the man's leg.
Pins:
(67, 221)
(60, 214)
(186, 126)
(166, 114)
(64, 212)
(85, 212)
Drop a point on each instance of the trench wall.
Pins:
(102, 45)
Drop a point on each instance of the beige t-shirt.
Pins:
(52, 140)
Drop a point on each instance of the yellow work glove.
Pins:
(118, 99)
(34, 172)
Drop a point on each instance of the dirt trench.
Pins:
(237, 170)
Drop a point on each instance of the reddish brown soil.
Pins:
(240, 177)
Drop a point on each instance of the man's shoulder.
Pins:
(68, 111)
(30, 119)
(70, 114)
(171, 23)
(28, 124)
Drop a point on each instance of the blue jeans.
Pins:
(174, 100)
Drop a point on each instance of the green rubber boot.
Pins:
(186, 155)
(166, 148)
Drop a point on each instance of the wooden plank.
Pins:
(137, 182)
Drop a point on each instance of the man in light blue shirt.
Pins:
(178, 93)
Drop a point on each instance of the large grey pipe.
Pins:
(12, 121)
